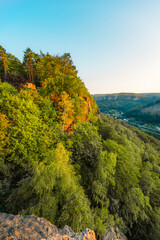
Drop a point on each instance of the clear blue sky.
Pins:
(115, 44)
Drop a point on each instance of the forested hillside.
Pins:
(61, 161)
(149, 113)
(122, 101)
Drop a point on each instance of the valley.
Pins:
(139, 110)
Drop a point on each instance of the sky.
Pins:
(115, 44)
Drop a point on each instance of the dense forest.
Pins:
(63, 160)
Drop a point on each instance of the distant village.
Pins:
(119, 115)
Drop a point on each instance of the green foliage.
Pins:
(29, 134)
(14, 65)
(53, 185)
(3, 135)
(3, 63)
(86, 150)
(104, 178)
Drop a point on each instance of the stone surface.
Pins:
(15, 227)
(113, 234)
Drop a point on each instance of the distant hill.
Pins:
(123, 101)
(149, 113)
(152, 94)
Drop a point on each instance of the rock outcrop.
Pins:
(15, 227)
(113, 234)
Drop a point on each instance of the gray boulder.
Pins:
(113, 234)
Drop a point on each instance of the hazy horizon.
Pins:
(126, 92)
(114, 44)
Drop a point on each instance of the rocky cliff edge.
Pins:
(16, 227)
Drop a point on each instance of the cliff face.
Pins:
(87, 110)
